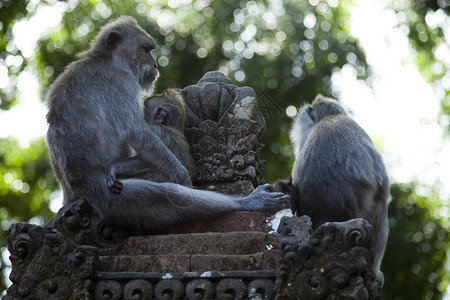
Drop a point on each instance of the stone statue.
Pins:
(224, 127)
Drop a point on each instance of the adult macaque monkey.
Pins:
(338, 174)
(94, 108)
(165, 114)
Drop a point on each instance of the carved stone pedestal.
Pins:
(331, 263)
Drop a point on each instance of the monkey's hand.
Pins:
(263, 198)
(114, 185)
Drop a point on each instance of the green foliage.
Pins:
(9, 13)
(419, 239)
(26, 183)
(425, 22)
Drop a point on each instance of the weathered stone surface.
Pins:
(81, 224)
(234, 221)
(229, 243)
(192, 285)
(180, 263)
(168, 263)
(248, 262)
(45, 265)
(334, 262)
(223, 128)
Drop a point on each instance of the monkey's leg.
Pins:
(135, 167)
(149, 205)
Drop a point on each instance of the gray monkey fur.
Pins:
(94, 108)
(165, 114)
(338, 174)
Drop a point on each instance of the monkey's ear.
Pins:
(159, 115)
(112, 40)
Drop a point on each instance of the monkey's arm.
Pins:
(165, 204)
(131, 167)
(152, 150)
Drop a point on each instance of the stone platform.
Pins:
(231, 257)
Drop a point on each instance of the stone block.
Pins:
(228, 243)
(202, 262)
(233, 221)
(169, 263)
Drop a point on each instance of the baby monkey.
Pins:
(338, 174)
(165, 114)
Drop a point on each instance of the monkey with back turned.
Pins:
(94, 108)
(338, 174)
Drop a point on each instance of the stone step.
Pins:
(227, 243)
(179, 263)
(232, 221)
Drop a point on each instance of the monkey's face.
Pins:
(148, 72)
(130, 45)
(159, 111)
(166, 109)
(155, 112)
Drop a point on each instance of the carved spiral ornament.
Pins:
(22, 248)
(196, 289)
(138, 289)
(334, 262)
(200, 289)
(360, 235)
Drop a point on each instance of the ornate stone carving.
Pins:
(200, 289)
(261, 289)
(80, 223)
(223, 127)
(46, 265)
(334, 262)
(189, 285)
(138, 289)
(58, 261)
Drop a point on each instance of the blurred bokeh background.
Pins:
(387, 61)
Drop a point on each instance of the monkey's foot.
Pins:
(115, 187)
